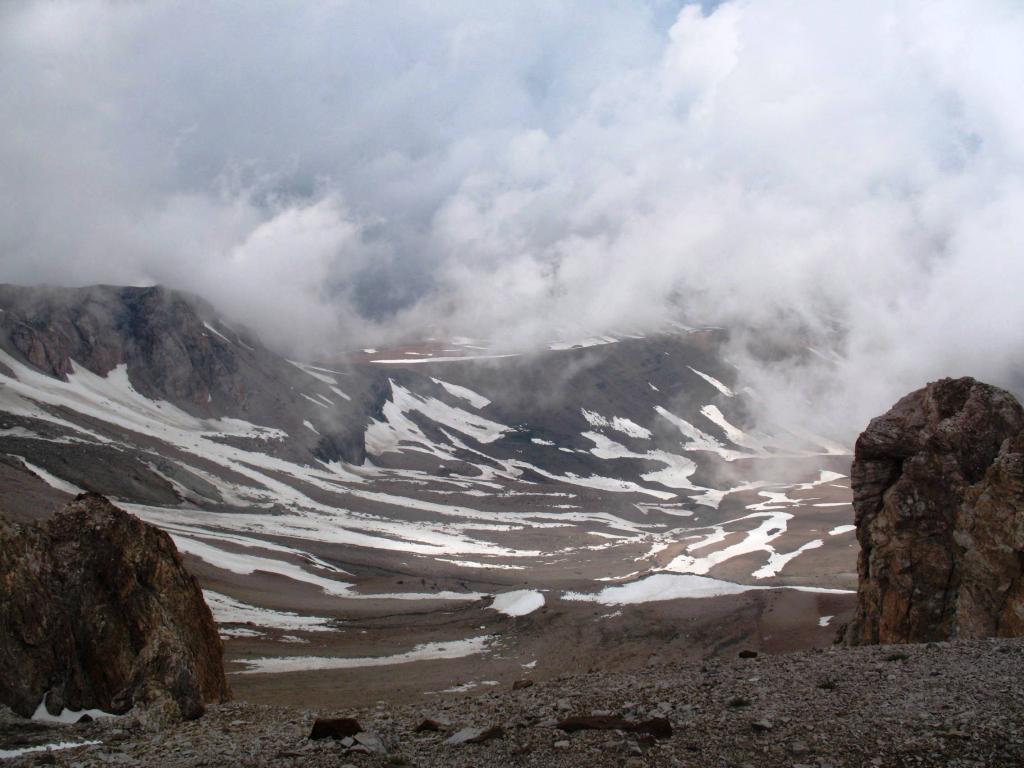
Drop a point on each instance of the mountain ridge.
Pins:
(399, 490)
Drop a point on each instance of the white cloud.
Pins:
(770, 164)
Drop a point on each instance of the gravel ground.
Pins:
(945, 704)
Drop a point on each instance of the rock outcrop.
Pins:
(97, 611)
(166, 338)
(938, 485)
(175, 347)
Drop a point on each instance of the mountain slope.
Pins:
(621, 470)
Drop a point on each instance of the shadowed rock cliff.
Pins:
(938, 485)
(97, 611)
(175, 347)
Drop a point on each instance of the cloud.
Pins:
(845, 178)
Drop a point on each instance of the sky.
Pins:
(844, 177)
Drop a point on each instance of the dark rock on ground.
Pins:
(335, 728)
(593, 723)
(476, 735)
(97, 611)
(658, 727)
(938, 485)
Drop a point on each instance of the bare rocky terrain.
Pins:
(938, 704)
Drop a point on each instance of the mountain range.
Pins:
(582, 501)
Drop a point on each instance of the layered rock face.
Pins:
(938, 486)
(97, 611)
(174, 347)
(160, 334)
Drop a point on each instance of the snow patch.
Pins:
(659, 587)
(463, 687)
(464, 393)
(320, 374)
(714, 382)
(824, 476)
(67, 716)
(229, 633)
(227, 610)
(777, 561)
(9, 753)
(758, 539)
(214, 331)
(406, 361)
(245, 565)
(314, 400)
(698, 440)
(735, 435)
(596, 481)
(475, 564)
(590, 341)
(21, 432)
(455, 649)
(51, 480)
(519, 602)
(385, 436)
(676, 473)
(625, 426)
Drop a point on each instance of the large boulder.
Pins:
(97, 611)
(938, 492)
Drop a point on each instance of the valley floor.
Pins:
(545, 644)
(944, 704)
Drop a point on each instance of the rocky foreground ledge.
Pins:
(938, 704)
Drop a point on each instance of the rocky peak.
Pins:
(938, 485)
(175, 348)
(161, 335)
(97, 611)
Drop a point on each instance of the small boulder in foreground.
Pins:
(476, 735)
(334, 728)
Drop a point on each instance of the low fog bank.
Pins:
(839, 186)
